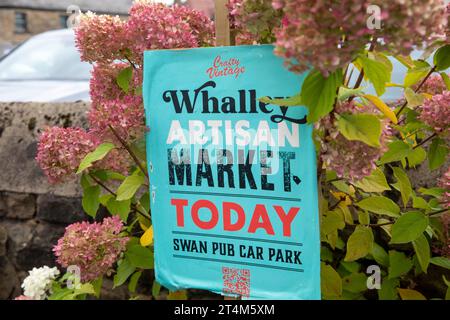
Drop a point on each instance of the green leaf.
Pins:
(351, 266)
(359, 244)
(332, 222)
(86, 288)
(420, 203)
(434, 192)
(120, 208)
(416, 157)
(399, 264)
(129, 186)
(413, 99)
(134, 281)
(85, 181)
(360, 127)
(409, 294)
(409, 227)
(99, 153)
(403, 184)
(345, 93)
(145, 201)
(97, 284)
(355, 282)
(61, 294)
(331, 282)
(140, 257)
(422, 249)
(377, 72)
(441, 58)
(388, 289)
(441, 262)
(407, 61)
(288, 102)
(417, 73)
(124, 271)
(124, 78)
(380, 255)
(326, 254)
(376, 182)
(446, 79)
(364, 218)
(91, 201)
(380, 205)
(318, 93)
(397, 150)
(437, 153)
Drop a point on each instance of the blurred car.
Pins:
(45, 68)
(5, 48)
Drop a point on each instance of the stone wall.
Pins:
(33, 213)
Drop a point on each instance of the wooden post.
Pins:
(222, 23)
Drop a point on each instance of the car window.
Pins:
(52, 57)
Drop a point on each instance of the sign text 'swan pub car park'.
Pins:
(233, 187)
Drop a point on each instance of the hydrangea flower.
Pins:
(435, 112)
(93, 247)
(444, 248)
(60, 151)
(103, 83)
(125, 115)
(434, 85)
(351, 159)
(444, 183)
(329, 34)
(254, 20)
(101, 38)
(37, 285)
(157, 26)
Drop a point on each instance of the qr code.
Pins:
(236, 281)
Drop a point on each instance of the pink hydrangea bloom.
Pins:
(93, 247)
(157, 26)
(101, 38)
(444, 183)
(254, 20)
(103, 83)
(351, 159)
(435, 112)
(125, 115)
(434, 85)
(60, 151)
(444, 247)
(329, 34)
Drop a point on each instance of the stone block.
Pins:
(20, 205)
(57, 209)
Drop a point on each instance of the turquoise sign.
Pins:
(233, 188)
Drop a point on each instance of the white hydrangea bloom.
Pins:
(39, 282)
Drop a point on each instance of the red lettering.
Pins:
(255, 223)
(227, 225)
(214, 214)
(286, 219)
(179, 204)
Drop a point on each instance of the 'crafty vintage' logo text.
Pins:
(222, 68)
